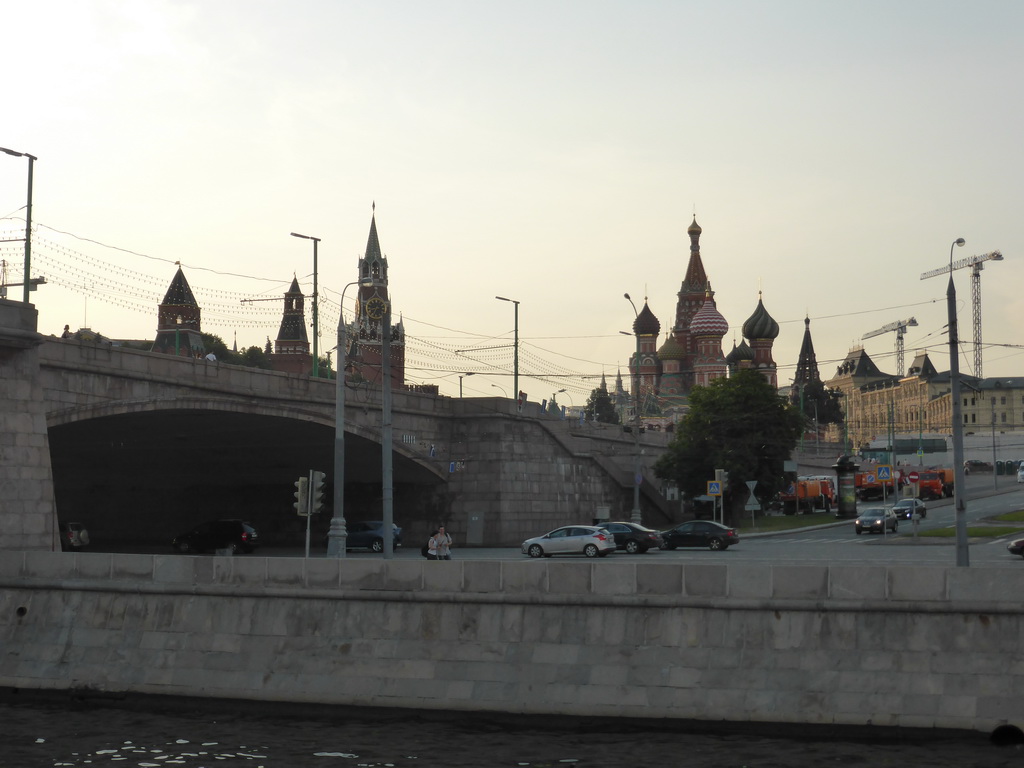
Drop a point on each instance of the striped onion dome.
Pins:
(709, 321)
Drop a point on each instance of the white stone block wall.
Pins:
(845, 645)
(27, 513)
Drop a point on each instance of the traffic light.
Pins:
(317, 494)
(301, 497)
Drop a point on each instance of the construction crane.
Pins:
(900, 326)
(976, 263)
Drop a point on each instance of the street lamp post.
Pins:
(461, 377)
(515, 347)
(635, 515)
(316, 318)
(503, 393)
(959, 492)
(337, 536)
(28, 219)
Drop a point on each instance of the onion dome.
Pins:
(709, 321)
(646, 324)
(739, 353)
(694, 228)
(671, 350)
(760, 325)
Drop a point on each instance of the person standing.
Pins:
(444, 544)
(67, 332)
(430, 551)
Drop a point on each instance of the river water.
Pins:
(50, 731)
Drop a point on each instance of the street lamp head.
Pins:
(959, 241)
(626, 297)
(305, 237)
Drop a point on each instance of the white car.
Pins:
(588, 540)
(1020, 473)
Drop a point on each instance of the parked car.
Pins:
(73, 536)
(236, 535)
(369, 534)
(1020, 473)
(976, 465)
(876, 520)
(700, 533)
(905, 509)
(633, 538)
(589, 540)
(1016, 547)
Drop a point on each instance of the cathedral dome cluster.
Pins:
(691, 354)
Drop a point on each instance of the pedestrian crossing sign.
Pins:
(884, 472)
(714, 488)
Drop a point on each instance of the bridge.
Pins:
(142, 445)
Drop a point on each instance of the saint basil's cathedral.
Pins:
(691, 354)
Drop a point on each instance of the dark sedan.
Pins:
(235, 535)
(905, 509)
(369, 534)
(976, 465)
(700, 533)
(1016, 547)
(633, 538)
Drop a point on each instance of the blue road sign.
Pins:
(884, 472)
(714, 488)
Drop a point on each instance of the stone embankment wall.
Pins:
(26, 482)
(890, 646)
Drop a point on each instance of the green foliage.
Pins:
(738, 424)
(818, 402)
(251, 357)
(601, 408)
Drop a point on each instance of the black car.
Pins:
(976, 465)
(700, 533)
(236, 535)
(905, 509)
(633, 538)
(369, 534)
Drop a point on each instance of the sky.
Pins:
(549, 152)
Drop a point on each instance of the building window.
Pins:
(1003, 418)
(1002, 400)
(974, 418)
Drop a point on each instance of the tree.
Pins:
(819, 403)
(738, 424)
(601, 408)
(251, 357)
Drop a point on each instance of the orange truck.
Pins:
(935, 483)
(807, 494)
(869, 487)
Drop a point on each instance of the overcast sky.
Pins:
(550, 152)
